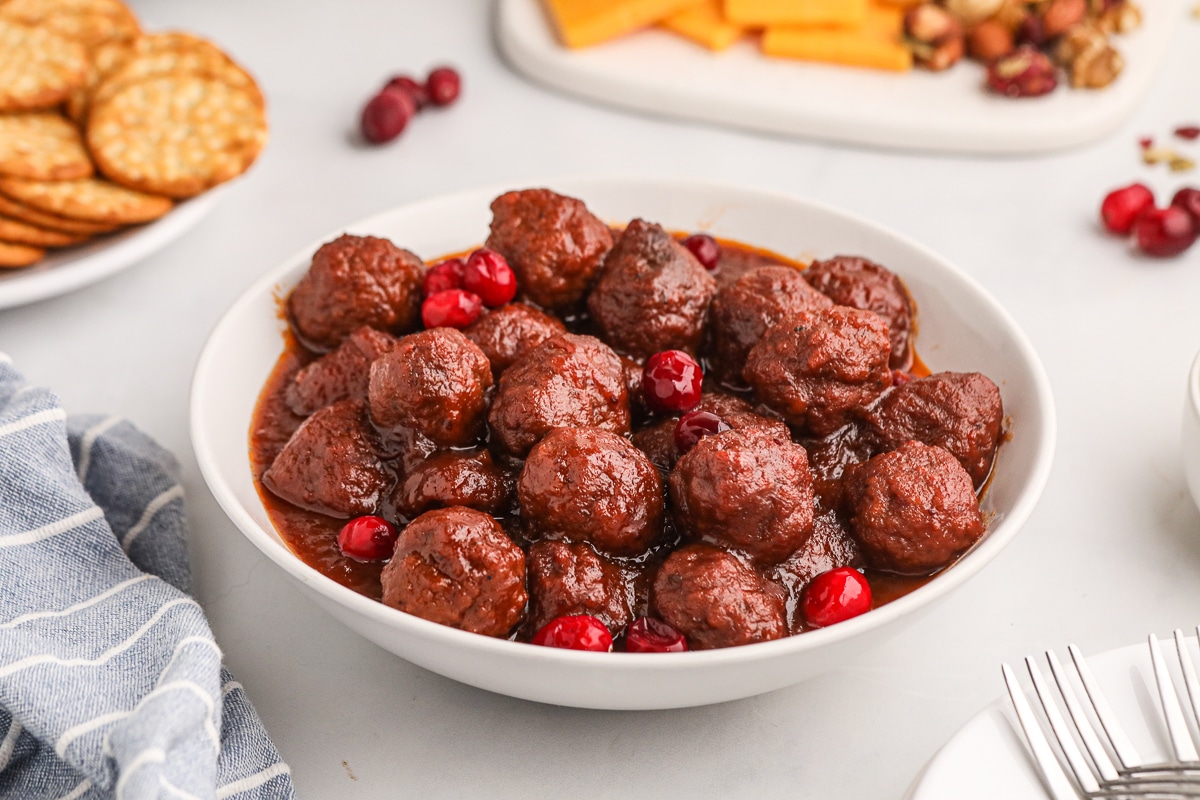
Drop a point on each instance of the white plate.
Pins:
(987, 759)
(662, 73)
(64, 271)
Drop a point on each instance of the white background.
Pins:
(1112, 552)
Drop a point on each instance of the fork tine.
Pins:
(1053, 776)
(1181, 738)
(1126, 754)
(1066, 742)
(1091, 742)
(1190, 679)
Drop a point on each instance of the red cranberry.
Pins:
(1146, 142)
(1188, 199)
(1188, 132)
(1164, 232)
(650, 635)
(1121, 207)
(367, 539)
(575, 633)
(705, 249)
(488, 275)
(835, 596)
(452, 308)
(694, 426)
(385, 115)
(1025, 72)
(444, 276)
(900, 377)
(1031, 31)
(443, 85)
(416, 91)
(671, 381)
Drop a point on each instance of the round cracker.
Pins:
(176, 135)
(90, 22)
(89, 199)
(17, 232)
(19, 255)
(105, 59)
(11, 208)
(42, 145)
(38, 69)
(200, 62)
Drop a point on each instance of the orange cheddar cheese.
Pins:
(582, 23)
(705, 25)
(877, 43)
(759, 13)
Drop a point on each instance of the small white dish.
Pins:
(961, 327)
(1190, 439)
(658, 72)
(66, 270)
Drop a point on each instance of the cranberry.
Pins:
(671, 381)
(1121, 207)
(452, 308)
(443, 85)
(580, 632)
(416, 91)
(900, 377)
(705, 249)
(1146, 142)
(1164, 232)
(835, 596)
(1188, 199)
(649, 635)
(1188, 132)
(444, 276)
(1031, 31)
(386, 114)
(1026, 72)
(694, 426)
(367, 539)
(488, 275)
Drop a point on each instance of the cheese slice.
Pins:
(704, 24)
(582, 23)
(877, 43)
(759, 13)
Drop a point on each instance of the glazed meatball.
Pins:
(913, 510)
(356, 281)
(330, 465)
(566, 381)
(960, 411)
(457, 567)
(743, 310)
(435, 383)
(658, 441)
(338, 375)
(591, 485)
(818, 369)
(504, 335)
(652, 294)
(715, 600)
(859, 283)
(748, 489)
(569, 579)
(453, 478)
(553, 243)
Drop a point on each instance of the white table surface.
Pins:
(1112, 552)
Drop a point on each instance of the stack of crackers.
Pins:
(104, 126)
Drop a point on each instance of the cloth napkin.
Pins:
(111, 685)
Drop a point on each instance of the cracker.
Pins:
(17, 232)
(207, 63)
(11, 208)
(105, 59)
(176, 135)
(19, 255)
(90, 22)
(89, 199)
(38, 69)
(42, 145)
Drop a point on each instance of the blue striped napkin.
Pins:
(111, 685)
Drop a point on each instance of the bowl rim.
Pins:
(1193, 389)
(940, 585)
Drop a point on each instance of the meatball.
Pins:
(715, 600)
(566, 381)
(747, 489)
(505, 334)
(743, 310)
(457, 567)
(913, 510)
(330, 465)
(552, 242)
(818, 369)
(960, 411)
(338, 375)
(569, 579)
(453, 478)
(859, 283)
(652, 294)
(356, 281)
(591, 485)
(658, 441)
(435, 383)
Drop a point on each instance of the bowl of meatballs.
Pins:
(622, 443)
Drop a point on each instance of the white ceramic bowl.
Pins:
(961, 328)
(1190, 440)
